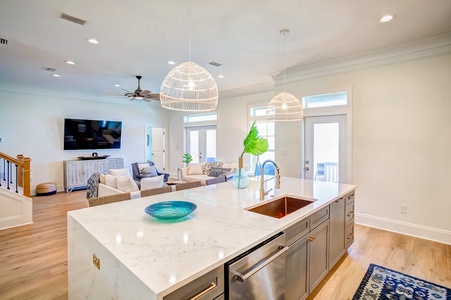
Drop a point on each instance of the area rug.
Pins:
(382, 283)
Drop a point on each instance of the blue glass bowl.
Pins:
(168, 210)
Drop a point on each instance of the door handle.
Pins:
(306, 169)
(260, 265)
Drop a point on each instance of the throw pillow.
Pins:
(142, 165)
(217, 164)
(206, 168)
(102, 178)
(152, 182)
(126, 184)
(195, 169)
(216, 172)
(149, 171)
(119, 172)
(110, 180)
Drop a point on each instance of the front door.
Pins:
(325, 148)
(201, 143)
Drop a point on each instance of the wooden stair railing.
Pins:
(21, 172)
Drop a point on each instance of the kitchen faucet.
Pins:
(263, 193)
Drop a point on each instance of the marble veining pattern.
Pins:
(167, 255)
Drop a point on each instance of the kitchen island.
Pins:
(117, 251)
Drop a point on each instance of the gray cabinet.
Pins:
(77, 172)
(296, 281)
(337, 231)
(207, 287)
(318, 246)
(307, 257)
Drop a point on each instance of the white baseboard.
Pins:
(424, 232)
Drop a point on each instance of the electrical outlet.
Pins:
(96, 261)
(403, 209)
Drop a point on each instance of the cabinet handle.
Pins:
(204, 292)
(311, 238)
(350, 236)
(337, 201)
(350, 213)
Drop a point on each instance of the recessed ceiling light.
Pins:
(117, 85)
(93, 41)
(386, 18)
(70, 62)
(56, 75)
(171, 62)
(221, 76)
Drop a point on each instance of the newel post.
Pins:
(26, 176)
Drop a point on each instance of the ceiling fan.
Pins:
(139, 94)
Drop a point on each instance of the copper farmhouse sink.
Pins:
(281, 207)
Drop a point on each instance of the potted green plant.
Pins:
(187, 158)
(254, 145)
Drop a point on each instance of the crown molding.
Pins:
(422, 48)
(262, 88)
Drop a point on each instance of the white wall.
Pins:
(33, 125)
(401, 142)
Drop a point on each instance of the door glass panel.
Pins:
(193, 147)
(326, 151)
(211, 145)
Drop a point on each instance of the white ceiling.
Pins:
(138, 37)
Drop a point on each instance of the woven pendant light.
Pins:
(284, 106)
(189, 87)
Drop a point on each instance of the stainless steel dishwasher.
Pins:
(258, 273)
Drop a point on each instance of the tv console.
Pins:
(77, 172)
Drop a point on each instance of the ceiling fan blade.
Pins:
(145, 93)
(129, 94)
(155, 96)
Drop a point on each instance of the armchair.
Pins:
(138, 175)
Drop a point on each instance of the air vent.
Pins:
(50, 69)
(3, 41)
(72, 19)
(215, 64)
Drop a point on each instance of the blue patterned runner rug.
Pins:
(381, 283)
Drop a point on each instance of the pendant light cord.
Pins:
(190, 30)
(284, 59)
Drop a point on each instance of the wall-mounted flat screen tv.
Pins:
(82, 134)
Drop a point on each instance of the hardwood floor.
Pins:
(33, 258)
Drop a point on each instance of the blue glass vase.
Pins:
(240, 178)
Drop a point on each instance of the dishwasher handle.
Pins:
(261, 264)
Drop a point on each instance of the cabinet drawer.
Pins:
(349, 235)
(297, 231)
(210, 285)
(350, 197)
(319, 217)
(350, 213)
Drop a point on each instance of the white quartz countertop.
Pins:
(166, 255)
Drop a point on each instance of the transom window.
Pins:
(324, 100)
(200, 118)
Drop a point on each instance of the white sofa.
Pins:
(119, 181)
(206, 170)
